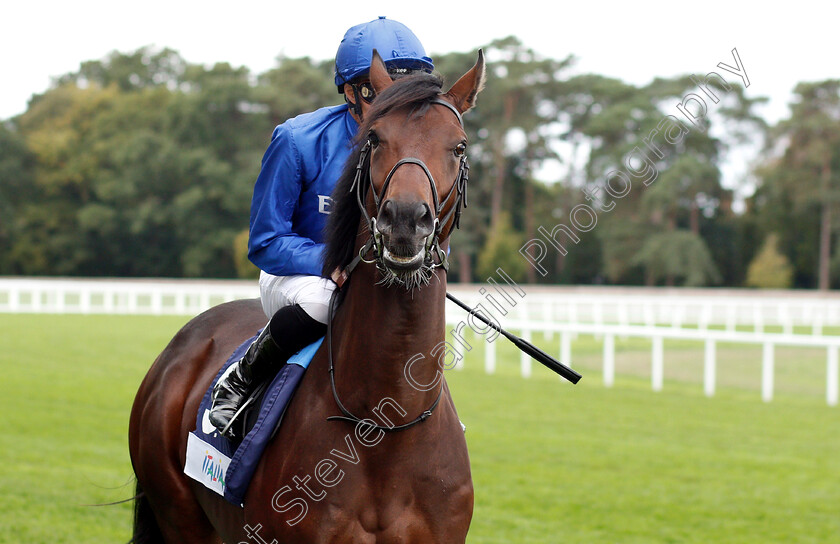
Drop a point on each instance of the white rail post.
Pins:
(656, 366)
(650, 319)
(767, 372)
(548, 316)
(705, 316)
(37, 300)
(157, 303)
(85, 302)
(758, 318)
(609, 360)
(598, 316)
(490, 357)
(817, 327)
(709, 367)
(831, 377)
(786, 318)
(566, 348)
(623, 315)
(108, 301)
(524, 358)
(14, 299)
(806, 312)
(676, 317)
(730, 316)
(60, 306)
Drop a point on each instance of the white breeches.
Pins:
(311, 292)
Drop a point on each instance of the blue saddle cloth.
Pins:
(227, 467)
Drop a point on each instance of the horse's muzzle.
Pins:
(405, 228)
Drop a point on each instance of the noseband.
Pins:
(458, 191)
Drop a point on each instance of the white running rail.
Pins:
(655, 314)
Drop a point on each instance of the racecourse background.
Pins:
(551, 462)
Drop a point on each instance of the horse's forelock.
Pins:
(414, 91)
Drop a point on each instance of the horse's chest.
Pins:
(384, 513)
(356, 494)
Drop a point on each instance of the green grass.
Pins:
(551, 462)
(68, 386)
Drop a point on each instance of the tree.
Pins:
(521, 106)
(244, 267)
(510, 134)
(502, 251)
(770, 269)
(295, 86)
(670, 188)
(57, 129)
(147, 179)
(674, 255)
(467, 241)
(804, 163)
(146, 67)
(16, 191)
(146, 151)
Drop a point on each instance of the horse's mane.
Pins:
(416, 92)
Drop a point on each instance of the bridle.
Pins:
(374, 243)
(458, 191)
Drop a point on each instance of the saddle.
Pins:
(226, 466)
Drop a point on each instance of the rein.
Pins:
(349, 417)
(458, 191)
(374, 243)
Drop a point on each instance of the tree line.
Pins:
(143, 164)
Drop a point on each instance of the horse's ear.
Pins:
(379, 77)
(465, 90)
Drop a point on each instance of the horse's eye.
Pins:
(373, 138)
(460, 149)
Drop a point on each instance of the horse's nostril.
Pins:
(422, 214)
(405, 220)
(386, 215)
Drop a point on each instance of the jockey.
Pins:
(290, 205)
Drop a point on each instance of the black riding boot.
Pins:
(295, 329)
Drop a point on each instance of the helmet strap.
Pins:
(356, 106)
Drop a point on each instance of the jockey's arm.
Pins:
(273, 246)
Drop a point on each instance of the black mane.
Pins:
(342, 226)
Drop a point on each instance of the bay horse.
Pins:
(371, 449)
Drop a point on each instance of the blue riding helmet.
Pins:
(396, 44)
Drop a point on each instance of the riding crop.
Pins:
(533, 351)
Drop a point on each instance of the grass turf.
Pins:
(551, 462)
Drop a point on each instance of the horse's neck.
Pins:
(377, 333)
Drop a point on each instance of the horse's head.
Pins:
(414, 149)
(406, 181)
